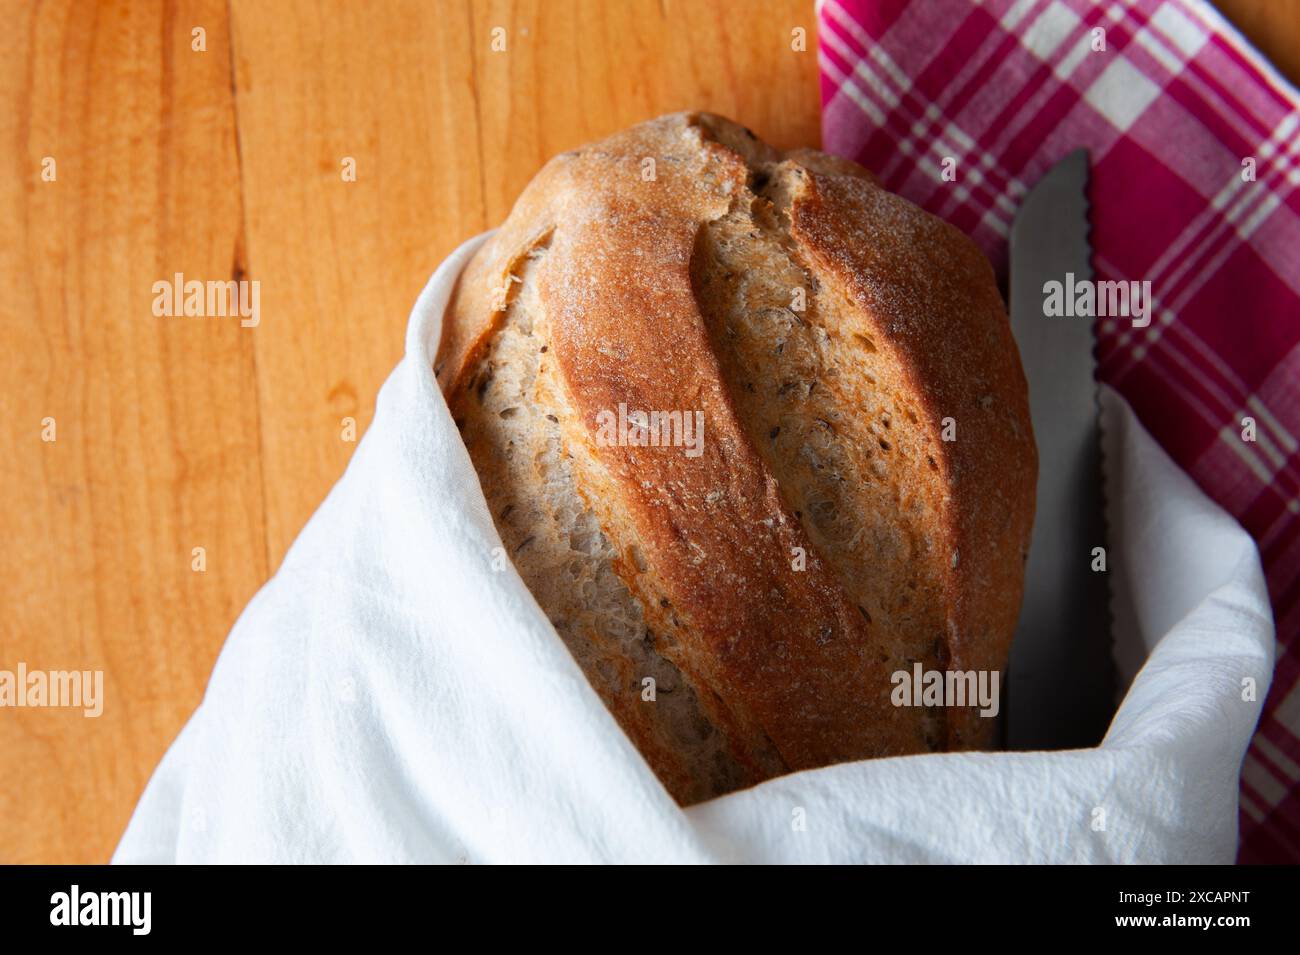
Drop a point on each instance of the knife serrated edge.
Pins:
(1102, 420)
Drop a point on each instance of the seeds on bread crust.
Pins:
(823, 328)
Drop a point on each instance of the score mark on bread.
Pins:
(824, 327)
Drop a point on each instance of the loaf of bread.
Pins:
(755, 433)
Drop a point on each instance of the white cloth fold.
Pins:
(388, 696)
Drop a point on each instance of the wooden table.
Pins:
(222, 155)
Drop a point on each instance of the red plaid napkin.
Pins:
(1169, 110)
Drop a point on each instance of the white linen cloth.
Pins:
(387, 696)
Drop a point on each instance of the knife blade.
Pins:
(1060, 681)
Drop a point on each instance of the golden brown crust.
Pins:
(786, 663)
(932, 292)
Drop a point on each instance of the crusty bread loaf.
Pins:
(826, 534)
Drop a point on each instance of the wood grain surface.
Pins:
(173, 433)
(221, 163)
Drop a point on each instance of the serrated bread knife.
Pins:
(1060, 681)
